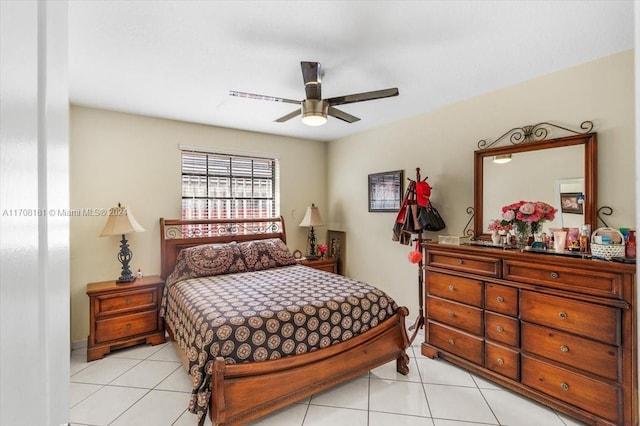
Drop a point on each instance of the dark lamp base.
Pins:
(125, 280)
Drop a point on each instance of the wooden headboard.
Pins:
(177, 234)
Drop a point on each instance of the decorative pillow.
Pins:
(207, 260)
(265, 254)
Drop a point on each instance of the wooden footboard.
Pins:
(244, 392)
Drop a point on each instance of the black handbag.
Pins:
(430, 218)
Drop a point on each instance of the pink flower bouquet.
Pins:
(532, 213)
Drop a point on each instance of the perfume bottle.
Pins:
(630, 248)
(585, 233)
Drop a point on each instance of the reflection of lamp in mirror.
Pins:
(312, 218)
(502, 159)
(122, 222)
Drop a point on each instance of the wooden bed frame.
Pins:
(244, 392)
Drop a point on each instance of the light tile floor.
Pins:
(146, 385)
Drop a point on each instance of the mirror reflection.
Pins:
(535, 176)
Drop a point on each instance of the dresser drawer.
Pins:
(487, 266)
(502, 299)
(502, 360)
(126, 325)
(586, 319)
(502, 328)
(130, 301)
(591, 395)
(456, 342)
(584, 354)
(587, 281)
(458, 315)
(456, 288)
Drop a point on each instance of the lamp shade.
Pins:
(311, 217)
(120, 222)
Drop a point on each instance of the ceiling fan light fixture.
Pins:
(502, 159)
(314, 112)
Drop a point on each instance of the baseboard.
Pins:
(79, 344)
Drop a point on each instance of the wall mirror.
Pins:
(560, 171)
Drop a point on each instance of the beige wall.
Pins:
(135, 160)
(442, 142)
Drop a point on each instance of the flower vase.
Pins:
(522, 233)
(495, 237)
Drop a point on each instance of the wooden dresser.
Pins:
(560, 330)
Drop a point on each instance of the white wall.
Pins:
(442, 142)
(135, 160)
(34, 240)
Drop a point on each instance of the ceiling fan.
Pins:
(314, 109)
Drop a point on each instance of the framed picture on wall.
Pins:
(571, 202)
(385, 191)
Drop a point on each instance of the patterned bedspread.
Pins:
(266, 314)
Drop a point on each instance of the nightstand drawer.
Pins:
(126, 326)
(133, 300)
(325, 264)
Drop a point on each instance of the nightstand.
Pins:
(327, 264)
(122, 315)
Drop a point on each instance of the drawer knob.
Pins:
(451, 342)
(500, 329)
(128, 326)
(128, 302)
(564, 386)
(500, 361)
(500, 299)
(452, 314)
(459, 261)
(451, 287)
(562, 315)
(564, 348)
(555, 275)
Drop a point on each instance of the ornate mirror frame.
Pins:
(533, 138)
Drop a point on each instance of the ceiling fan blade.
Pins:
(288, 116)
(261, 97)
(366, 96)
(341, 115)
(312, 79)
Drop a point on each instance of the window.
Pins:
(223, 186)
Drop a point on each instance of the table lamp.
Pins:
(312, 218)
(122, 222)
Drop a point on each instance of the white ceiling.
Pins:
(179, 59)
